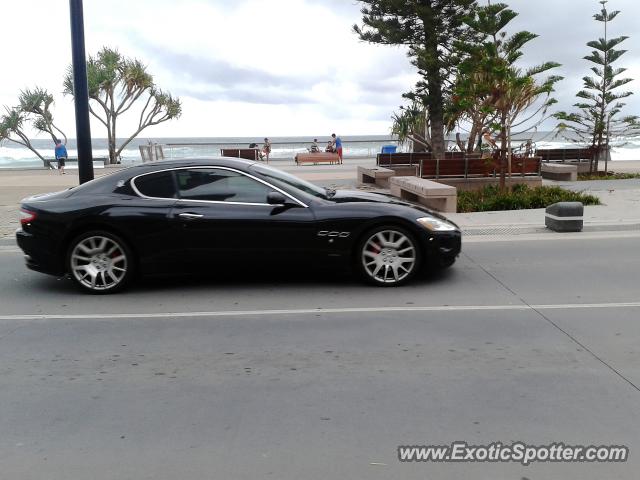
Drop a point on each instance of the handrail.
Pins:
(301, 142)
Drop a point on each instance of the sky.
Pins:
(255, 68)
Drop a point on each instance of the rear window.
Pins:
(156, 185)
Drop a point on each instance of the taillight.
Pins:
(26, 216)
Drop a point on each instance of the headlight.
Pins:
(436, 225)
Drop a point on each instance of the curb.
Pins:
(9, 241)
(536, 229)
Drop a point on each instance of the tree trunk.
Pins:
(113, 151)
(435, 100)
(503, 150)
(437, 133)
(509, 151)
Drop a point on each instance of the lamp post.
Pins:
(81, 92)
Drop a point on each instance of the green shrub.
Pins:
(520, 197)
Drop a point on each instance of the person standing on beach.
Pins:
(61, 155)
(337, 145)
(266, 149)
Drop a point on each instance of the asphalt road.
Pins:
(535, 339)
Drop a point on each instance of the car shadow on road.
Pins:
(242, 280)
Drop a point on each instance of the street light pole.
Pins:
(81, 92)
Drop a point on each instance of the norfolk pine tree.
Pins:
(429, 29)
(597, 121)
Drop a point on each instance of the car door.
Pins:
(146, 217)
(225, 217)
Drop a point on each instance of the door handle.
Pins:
(190, 216)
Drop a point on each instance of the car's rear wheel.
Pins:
(388, 256)
(100, 262)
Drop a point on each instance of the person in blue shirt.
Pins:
(337, 145)
(61, 155)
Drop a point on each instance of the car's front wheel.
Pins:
(388, 256)
(100, 262)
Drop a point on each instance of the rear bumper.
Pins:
(38, 254)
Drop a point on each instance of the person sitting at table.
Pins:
(314, 146)
(329, 148)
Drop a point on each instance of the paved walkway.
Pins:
(620, 210)
(620, 198)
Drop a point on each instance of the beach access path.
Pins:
(620, 198)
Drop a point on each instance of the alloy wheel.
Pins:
(389, 257)
(99, 263)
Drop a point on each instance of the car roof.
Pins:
(194, 162)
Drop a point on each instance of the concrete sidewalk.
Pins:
(620, 198)
(620, 210)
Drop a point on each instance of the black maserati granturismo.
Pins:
(181, 215)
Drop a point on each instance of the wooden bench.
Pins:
(565, 154)
(400, 159)
(474, 166)
(246, 153)
(458, 166)
(437, 196)
(319, 157)
(375, 175)
(151, 152)
(52, 163)
(560, 171)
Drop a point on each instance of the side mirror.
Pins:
(276, 198)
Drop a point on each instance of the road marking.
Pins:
(10, 250)
(316, 311)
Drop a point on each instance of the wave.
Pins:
(15, 156)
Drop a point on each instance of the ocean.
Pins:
(363, 146)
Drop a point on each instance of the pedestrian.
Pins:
(337, 145)
(266, 148)
(314, 146)
(61, 155)
(486, 136)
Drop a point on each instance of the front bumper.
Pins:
(443, 247)
(38, 254)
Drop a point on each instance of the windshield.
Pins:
(284, 179)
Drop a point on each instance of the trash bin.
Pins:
(389, 149)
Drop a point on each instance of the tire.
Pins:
(388, 256)
(100, 262)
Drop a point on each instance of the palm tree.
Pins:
(412, 125)
(38, 103)
(116, 83)
(12, 125)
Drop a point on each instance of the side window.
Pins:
(219, 185)
(156, 185)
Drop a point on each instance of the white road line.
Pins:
(316, 311)
(10, 250)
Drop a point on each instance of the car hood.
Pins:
(352, 196)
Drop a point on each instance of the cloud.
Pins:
(286, 66)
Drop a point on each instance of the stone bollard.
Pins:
(565, 217)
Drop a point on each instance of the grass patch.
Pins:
(521, 197)
(607, 176)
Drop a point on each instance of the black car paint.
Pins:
(326, 233)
